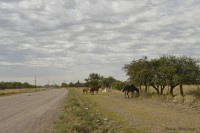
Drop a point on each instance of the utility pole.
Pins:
(35, 81)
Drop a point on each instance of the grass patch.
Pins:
(78, 117)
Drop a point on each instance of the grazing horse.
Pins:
(85, 90)
(130, 88)
(95, 89)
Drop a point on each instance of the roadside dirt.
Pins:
(31, 112)
(149, 115)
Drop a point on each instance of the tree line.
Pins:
(15, 85)
(166, 71)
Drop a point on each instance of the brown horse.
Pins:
(95, 89)
(85, 90)
(130, 88)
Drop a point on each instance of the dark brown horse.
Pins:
(95, 89)
(130, 88)
(85, 90)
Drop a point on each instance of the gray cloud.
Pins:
(68, 39)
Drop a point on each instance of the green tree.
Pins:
(93, 79)
(117, 85)
(64, 85)
(139, 72)
(106, 82)
(71, 84)
(179, 71)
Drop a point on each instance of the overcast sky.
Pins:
(66, 40)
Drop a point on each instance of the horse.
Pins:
(130, 88)
(85, 90)
(95, 88)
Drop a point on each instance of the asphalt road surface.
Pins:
(31, 112)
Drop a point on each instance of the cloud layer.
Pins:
(68, 39)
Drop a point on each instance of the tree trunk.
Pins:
(168, 88)
(140, 88)
(171, 91)
(162, 89)
(156, 88)
(158, 91)
(146, 88)
(181, 89)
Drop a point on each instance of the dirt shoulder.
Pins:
(144, 115)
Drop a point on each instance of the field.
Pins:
(111, 112)
(17, 91)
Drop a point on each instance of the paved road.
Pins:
(30, 112)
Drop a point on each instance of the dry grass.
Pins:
(18, 91)
(178, 99)
(190, 99)
(188, 90)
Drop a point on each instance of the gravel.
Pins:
(31, 112)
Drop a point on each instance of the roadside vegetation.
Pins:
(82, 114)
(110, 112)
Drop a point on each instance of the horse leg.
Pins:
(128, 94)
(132, 94)
(125, 94)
